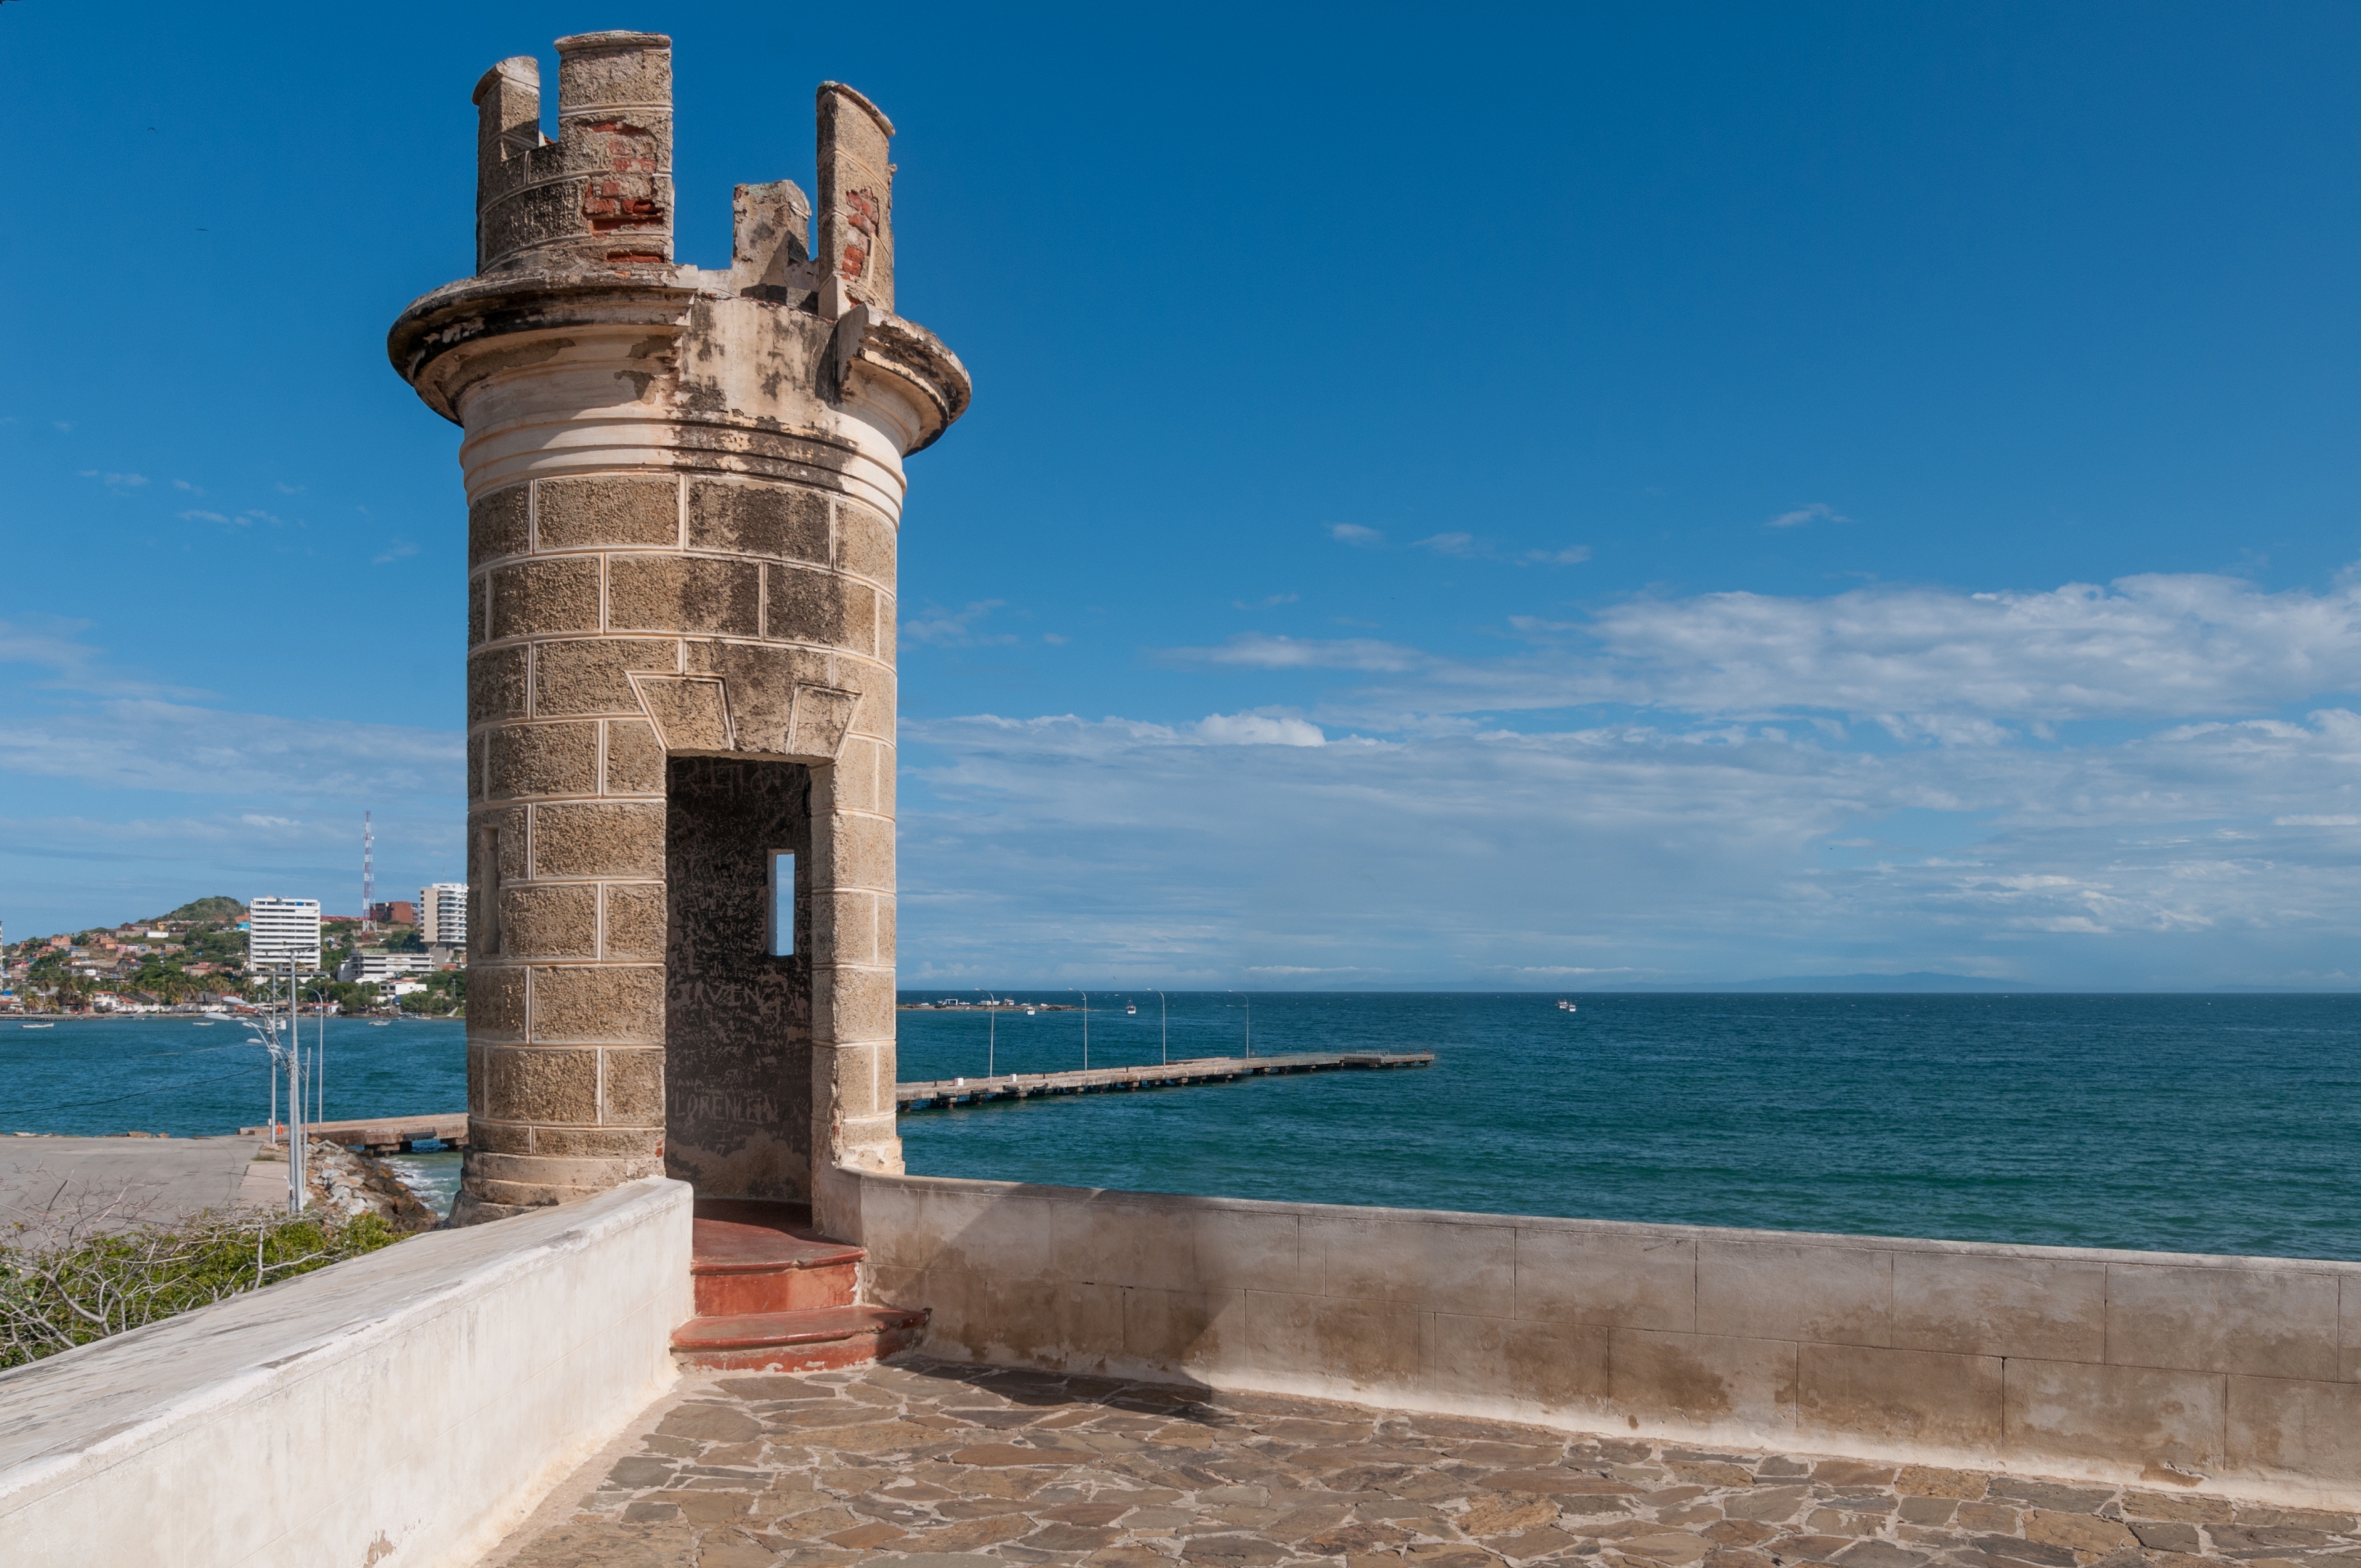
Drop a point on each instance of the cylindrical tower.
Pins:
(682, 492)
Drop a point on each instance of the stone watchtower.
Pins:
(683, 491)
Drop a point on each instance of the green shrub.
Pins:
(55, 1295)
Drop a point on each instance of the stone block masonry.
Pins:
(683, 487)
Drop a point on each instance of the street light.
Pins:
(1086, 1023)
(320, 1055)
(991, 1029)
(1164, 1021)
(1248, 1002)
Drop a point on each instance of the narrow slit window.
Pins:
(783, 905)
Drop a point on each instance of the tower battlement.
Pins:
(600, 194)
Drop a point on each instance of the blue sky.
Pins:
(1568, 497)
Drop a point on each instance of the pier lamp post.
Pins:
(320, 1055)
(991, 1030)
(1086, 1023)
(1247, 1002)
(1164, 1027)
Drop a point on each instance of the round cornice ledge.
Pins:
(471, 312)
(931, 378)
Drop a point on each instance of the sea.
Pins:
(2226, 1124)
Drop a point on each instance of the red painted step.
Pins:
(820, 1340)
(749, 1257)
(773, 1293)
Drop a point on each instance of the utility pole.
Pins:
(1086, 1024)
(1164, 1023)
(273, 1076)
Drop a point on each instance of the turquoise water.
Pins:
(2193, 1123)
(170, 1075)
(2187, 1123)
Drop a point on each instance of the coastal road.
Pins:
(53, 1185)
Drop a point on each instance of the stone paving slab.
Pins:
(931, 1465)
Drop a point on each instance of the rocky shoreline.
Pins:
(349, 1183)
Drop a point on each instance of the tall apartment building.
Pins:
(443, 913)
(278, 928)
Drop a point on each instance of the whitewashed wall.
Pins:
(2235, 1373)
(407, 1407)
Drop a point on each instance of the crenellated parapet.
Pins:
(600, 194)
(684, 486)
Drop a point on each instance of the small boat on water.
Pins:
(1133, 1007)
(381, 1023)
(201, 1026)
(36, 1026)
(1565, 1006)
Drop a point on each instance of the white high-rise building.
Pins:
(276, 928)
(370, 968)
(443, 913)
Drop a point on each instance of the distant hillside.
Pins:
(207, 911)
(1920, 981)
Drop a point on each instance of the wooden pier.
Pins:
(380, 1135)
(946, 1092)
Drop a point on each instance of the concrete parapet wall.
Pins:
(2237, 1374)
(406, 1408)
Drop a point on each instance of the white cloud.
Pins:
(1922, 664)
(1470, 547)
(955, 629)
(1255, 650)
(202, 517)
(148, 744)
(1258, 729)
(1270, 602)
(72, 667)
(121, 484)
(395, 550)
(1354, 533)
(1117, 847)
(1818, 511)
(2146, 646)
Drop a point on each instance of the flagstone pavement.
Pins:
(928, 1464)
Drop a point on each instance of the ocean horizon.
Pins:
(2209, 1122)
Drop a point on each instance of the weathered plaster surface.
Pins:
(402, 1409)
(2164, 1370)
